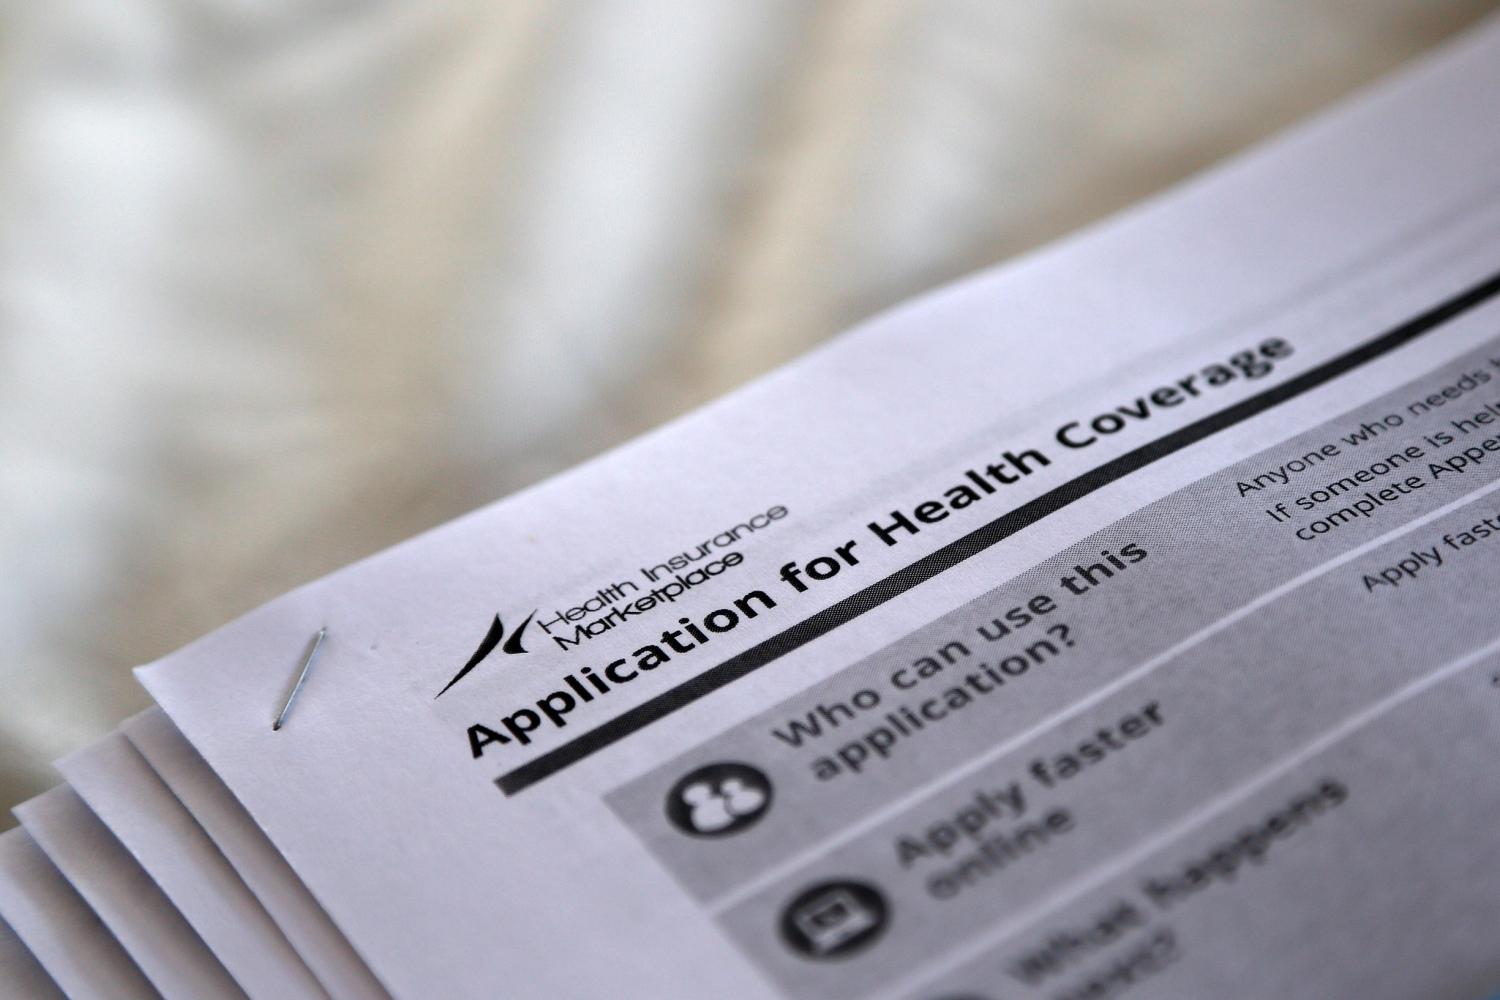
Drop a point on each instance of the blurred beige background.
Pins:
(282, 283)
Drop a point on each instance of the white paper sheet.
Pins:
(338, 968)
(130, 904)
(61, 933)
(21, 973)
(972, 444)
(120, 788)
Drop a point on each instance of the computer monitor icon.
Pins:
(833, 919)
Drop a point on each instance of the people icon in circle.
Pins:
(719, 799)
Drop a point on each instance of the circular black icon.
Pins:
(719, 799)
(834, 919)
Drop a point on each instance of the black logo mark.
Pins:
(491, 640)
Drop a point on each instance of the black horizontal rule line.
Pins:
(980, 539)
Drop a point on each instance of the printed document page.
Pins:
(253, 857)
(21, 970)
(1118, 622)
(119, 787)
(123, 896)
(50, 921)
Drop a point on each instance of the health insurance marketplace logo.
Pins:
(621, 600)
(487, 646)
